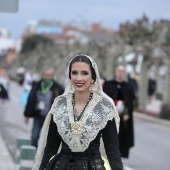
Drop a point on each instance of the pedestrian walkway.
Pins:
(6, 162)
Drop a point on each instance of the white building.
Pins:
(6, 42)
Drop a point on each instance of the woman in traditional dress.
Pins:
(77, 120)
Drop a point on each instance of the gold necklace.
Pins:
(77, 125)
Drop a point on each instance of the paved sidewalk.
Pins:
(152, 118)
(6, 162)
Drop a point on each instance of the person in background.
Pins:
(151, 86)
(78, 119)
(121, 92)
(4, 85)
(133, 83)
(39, 102)
(135, 87)
(27, 85)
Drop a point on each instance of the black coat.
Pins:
(30, 110)
(126, 132)
(151, 87)
(3, 92)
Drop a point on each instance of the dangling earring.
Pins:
(91, 86)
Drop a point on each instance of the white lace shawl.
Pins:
(107, 109)
(95, 118)
(97, 88)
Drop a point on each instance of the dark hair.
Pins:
(85, 59)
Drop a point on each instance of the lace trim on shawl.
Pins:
(95, 118)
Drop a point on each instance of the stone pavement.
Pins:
(6, 162)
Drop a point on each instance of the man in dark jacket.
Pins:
(39, 102)
(122, 94)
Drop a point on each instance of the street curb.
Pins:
(151, 118)
(6, 162)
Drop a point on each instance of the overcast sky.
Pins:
(109, 12)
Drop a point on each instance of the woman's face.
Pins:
(81, 76)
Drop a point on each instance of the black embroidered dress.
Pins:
(81, 152)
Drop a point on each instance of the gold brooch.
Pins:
(76, 127)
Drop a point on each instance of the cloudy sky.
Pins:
(109, 12)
